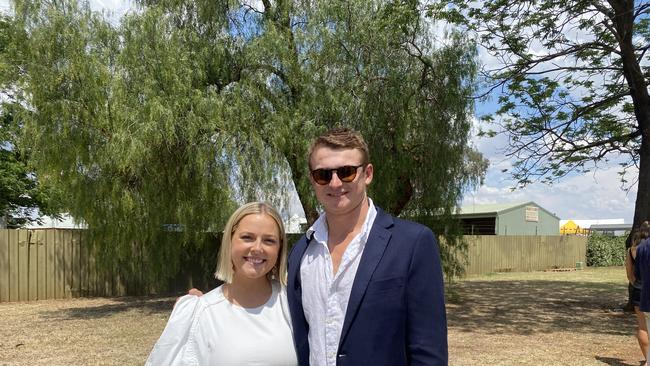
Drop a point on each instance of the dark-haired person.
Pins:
(642, 272)
(364, 287)
(635, 292)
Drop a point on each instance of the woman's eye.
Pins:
(270, 241)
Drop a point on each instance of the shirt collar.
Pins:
(319, 228)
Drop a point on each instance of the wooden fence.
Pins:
(54, 263)
(51, 264)
(495, 253)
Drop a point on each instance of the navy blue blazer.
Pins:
(396, 312)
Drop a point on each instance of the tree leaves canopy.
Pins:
(572, 79)
(185, 108)
(20, 194)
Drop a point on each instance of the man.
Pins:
(364, 288)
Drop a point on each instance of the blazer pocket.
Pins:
(385, 285)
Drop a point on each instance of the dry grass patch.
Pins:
(541, 318)
(118, 331)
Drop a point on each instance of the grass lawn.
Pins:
(540, 318)
(543, 318)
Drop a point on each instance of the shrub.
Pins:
(605, 250)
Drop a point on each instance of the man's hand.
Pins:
(193, 291)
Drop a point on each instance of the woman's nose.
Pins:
(257, 245)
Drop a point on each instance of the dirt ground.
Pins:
(543, 318)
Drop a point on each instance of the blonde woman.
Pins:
(245, 321)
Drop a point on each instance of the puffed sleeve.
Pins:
(171, 347)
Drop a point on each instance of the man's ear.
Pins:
(369, 170)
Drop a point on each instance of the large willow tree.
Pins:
(185, 108)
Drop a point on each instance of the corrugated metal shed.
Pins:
(516, 218)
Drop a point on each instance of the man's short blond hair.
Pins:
(341, 138)
(224, 263)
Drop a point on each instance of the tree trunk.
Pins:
(642, 205)
(624, 24)
(404, 198)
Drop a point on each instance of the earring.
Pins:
(274, 272)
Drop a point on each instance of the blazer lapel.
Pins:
(295, 286)
(372, 253)
(294, 295)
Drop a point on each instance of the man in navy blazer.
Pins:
(364, 288)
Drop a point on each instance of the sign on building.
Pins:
(532, 214)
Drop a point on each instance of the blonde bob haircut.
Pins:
(224, 263)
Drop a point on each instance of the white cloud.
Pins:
(596, 195)
(4, 7)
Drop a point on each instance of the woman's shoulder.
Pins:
(215, 296)
(195, 304)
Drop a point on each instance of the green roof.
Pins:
(495, 208)
(489, 208)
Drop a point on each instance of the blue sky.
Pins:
(597, 195)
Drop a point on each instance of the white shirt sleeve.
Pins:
(172, 346)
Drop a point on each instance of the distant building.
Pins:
(523, 218)
(585, 227)
(570, 227)
(611, 229)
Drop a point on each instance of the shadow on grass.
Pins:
(617, 361)
(533, 306)
(144, 305)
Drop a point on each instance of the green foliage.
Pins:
(187, 108)
(20, 192)
(605, 250)
(19, 189)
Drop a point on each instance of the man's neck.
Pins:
(341, 225)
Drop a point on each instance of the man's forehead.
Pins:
(325, 152)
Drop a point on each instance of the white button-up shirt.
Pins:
(325, 294)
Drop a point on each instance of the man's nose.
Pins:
(335, 182)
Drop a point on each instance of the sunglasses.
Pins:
(345, 173)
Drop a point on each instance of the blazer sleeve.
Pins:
(426, 335)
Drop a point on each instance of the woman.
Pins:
(245, 321)
(635, 287)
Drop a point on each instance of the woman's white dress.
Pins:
(209, 330)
